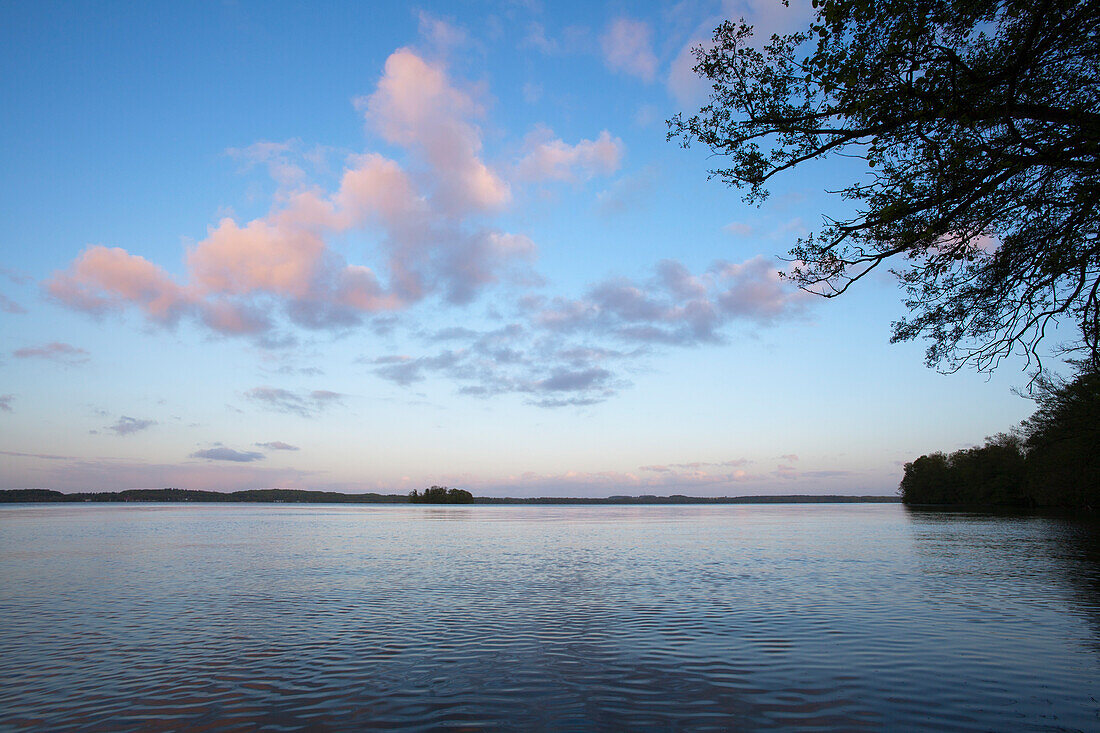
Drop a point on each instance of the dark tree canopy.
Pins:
(979, 122)
(990, 475)
(1063, 441)
(1052, 460)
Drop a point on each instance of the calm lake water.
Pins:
(824, 617)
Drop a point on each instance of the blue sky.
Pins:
(375, 247)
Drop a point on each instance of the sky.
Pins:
(364, 246)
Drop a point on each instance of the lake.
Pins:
(329, 617)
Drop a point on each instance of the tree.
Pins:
(979, 122)
(928, 480)
(990, 475)
(441, 495)
(1053, 460)
(1063, 441)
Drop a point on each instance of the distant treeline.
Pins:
(440, 495)
(251, 495)
(1052, 460)
(681, 499)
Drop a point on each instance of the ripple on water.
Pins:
(640, 618)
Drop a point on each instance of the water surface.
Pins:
(824, 617)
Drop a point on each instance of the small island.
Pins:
(441, 495)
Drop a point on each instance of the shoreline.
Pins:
(294, 496)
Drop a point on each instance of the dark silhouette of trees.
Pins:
(1053, 460)
(1063, 442)
(928, 480)
(30, 495)
(979, 121)
(991, 475)
(441, 495)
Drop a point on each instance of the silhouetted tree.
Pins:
(928, 480)
(30, 495)
(979, 121)
(1052, 461)
(989, 475)
(1063, 442)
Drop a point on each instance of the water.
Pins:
(822, 617)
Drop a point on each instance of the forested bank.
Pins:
(1052, 460)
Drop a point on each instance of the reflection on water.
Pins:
(599, 617)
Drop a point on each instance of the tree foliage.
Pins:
(992, 474)
(441, 495)
(979, 122)
(1053, 460)
(1063, 441)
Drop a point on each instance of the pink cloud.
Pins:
(550, 158)
(55, 351)
(263, 256)
(109, 278)
(416, 106)
(628, 47)
(683, 84)
(285, 257)
(441, 34)
(277, 445)
(231, 318)
(753, 290)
